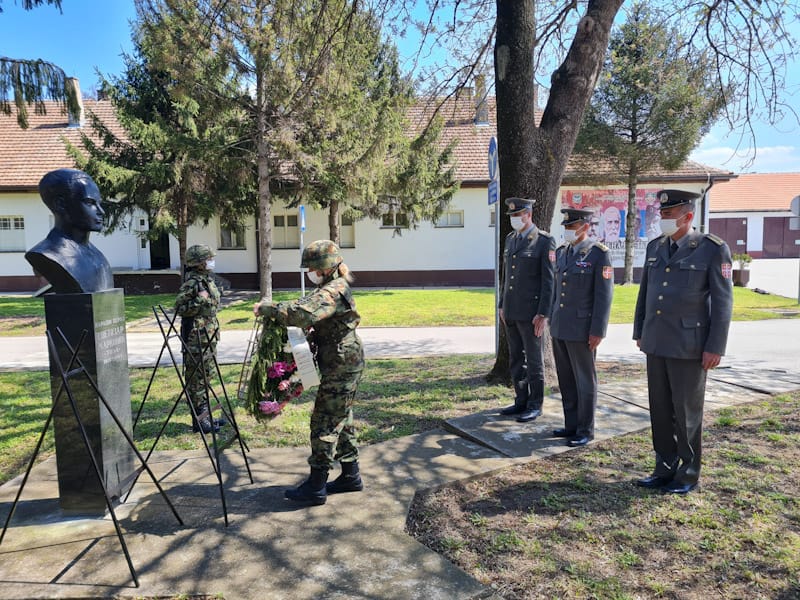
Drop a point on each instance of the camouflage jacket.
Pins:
(196, 311)
(331, 311)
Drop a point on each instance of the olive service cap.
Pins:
(670, 198)
(320, 255)
(198, 254)
(576, 215)
(516, 205)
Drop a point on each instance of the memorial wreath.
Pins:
(274, 380)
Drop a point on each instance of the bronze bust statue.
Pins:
(66, 257)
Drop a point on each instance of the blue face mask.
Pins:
(517, 223)
(210, 264)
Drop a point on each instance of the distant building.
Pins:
(752, 214)
(457, 250)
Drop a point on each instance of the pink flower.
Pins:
(284, 385)
(270, 407)
(277, 370)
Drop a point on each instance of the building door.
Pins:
(779, 240)
(159, 252)
(733, 231)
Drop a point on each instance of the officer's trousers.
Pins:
(577, 381)
(526, 363)
(676, 390)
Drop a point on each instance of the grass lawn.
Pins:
(397, 397)
(389, 308)
(575, 526)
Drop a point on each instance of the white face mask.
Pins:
(210, 264)
(668, 226)
(570, 235)
(517, 224)
(315, 279)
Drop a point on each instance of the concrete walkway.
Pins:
(771, 344)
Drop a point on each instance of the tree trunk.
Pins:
(333, 222)
(514, 68)
(264, 197)
(532, 160)
(182, 226)
(631, 235)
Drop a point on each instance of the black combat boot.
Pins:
(204, 421)
(312, 490)
(348, 481)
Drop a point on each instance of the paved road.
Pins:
(764, 344)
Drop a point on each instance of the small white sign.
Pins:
(303, 358)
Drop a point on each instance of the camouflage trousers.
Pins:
(199, 371)
(333, 436)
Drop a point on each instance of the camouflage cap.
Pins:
(198, 254)
(320, 255)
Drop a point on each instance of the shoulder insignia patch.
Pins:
(545, 233)
(601, 246)
(716, 239)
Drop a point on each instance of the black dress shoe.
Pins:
(579, 440)
(653, 481)
(512, 410)
(530, 415)
(561, 432)
(676, 487)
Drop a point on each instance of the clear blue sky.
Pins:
(91, 35)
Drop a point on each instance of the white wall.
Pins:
(32, 209)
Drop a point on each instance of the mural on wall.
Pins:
(608, 223)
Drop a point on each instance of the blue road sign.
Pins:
(494, 191)
(302, 218)
(493, 159)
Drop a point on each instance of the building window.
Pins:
(285, 232)
(231, 239)
(347, 233)
(395, 220)
(12, 234)
(451, 218)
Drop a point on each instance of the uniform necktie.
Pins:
(673, 248)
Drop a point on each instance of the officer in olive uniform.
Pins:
(331, 311)
(581, 307)
(525, 304)
(683, 313)
(196, 304)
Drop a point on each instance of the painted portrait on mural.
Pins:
(608, 222)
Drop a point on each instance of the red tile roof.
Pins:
(27, 154)
(755, 192)
(473, 145)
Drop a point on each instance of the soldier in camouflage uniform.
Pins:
(197, 303)
(331, 311)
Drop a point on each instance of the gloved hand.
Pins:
(266, 309)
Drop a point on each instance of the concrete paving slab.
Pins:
(535, 439)
(767, 381)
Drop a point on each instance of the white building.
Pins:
(459, 250)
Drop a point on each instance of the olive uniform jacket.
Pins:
(685, 301)
(527, 279)
(583, 292)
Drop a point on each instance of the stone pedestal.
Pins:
(104, 354)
